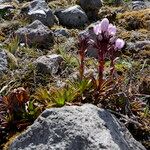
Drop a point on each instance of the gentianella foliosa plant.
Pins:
(102, 37)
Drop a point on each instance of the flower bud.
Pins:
(104, 24)
(112, 29)
(119, 43)
(97, 29)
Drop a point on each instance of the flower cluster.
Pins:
(102, 37)
(108, 31)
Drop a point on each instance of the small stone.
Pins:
(73, 17)
(50, 64)
(137, 46)
(39, 10)
(61, 32)
(35, 34)
(91, 8)
(137, 5)
(91, 4)
(142, 44)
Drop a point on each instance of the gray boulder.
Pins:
(73, 17)
(50, 64)
(84, 127)
(35, 34)
(3, 61)
(39, 10)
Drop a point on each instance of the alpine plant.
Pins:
(102, 37)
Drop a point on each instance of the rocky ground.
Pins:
(39, 57)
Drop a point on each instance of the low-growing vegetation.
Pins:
(118, 80)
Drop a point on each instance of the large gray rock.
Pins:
(39, 10)
(3, 62)
(50, 64)
(35, 34)
(73, 17)
(76, 128)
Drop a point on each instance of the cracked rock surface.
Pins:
(76, 128)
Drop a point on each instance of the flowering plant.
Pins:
(102, 37)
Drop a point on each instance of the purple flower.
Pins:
(104, 25)
(112, 29)
(97, 29)
(119, 43)
(102, 37)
